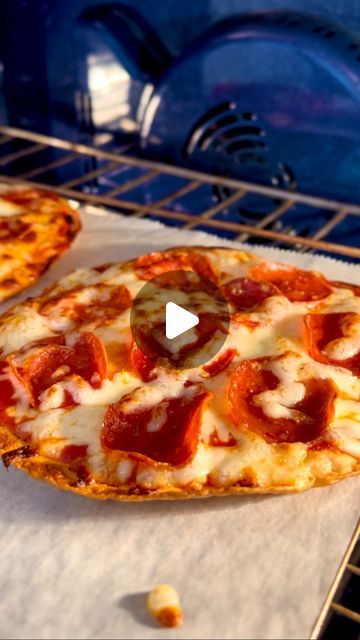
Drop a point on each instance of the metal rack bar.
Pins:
(17, 155)
(335, 220)
(329, 247)
(56, 164)
(132, 184)
(207, 217)
(5, 139)
(222, 206)
(271, 217)
(353, 569)
(329, 601)
(86, 177)
(174, 195)
(344, 611)
(49, 167)
(288, 204)
(196, 220)
(180, 172)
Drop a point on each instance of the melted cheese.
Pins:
(145, 396)
(125, 469)
(347, 346)
(78, 425)
(347, 432)
(277, 403)
(346, 426)
(279, 330)
(343, 348)
(158, 417)
(9, 209)
(232, 265)
(83, 393)
(23, 326)
(346, 302)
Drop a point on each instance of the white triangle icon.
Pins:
(178, 320)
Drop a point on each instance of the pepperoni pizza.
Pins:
(277, 409)
(36, 227)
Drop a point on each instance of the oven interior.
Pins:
(240, 118)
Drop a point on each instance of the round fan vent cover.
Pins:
(236, 141)
(271, 98)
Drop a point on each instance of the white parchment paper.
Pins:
(245, 567)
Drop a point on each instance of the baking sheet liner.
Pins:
(245, 567)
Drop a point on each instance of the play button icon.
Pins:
(178, 320)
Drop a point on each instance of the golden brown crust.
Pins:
(62, 477)
(46, 225)
(59, 476)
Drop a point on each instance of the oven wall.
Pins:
(68, 67)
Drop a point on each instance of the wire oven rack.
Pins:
(103, 174)
(184, 198)
(340, 614)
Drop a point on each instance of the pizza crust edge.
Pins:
(60, 475)
(72, 219)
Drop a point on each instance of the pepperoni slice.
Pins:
(108, 302)
(158, 262)
(6, 394)
(220, 364)
(246, 293)
(208, 325)
(90, 361)
(54, 362)
(142, 364)
(149, 338)
(311, 415)
(167, 432)
(295, 284)
(347, 285)
(324, 328)
(202, 266)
